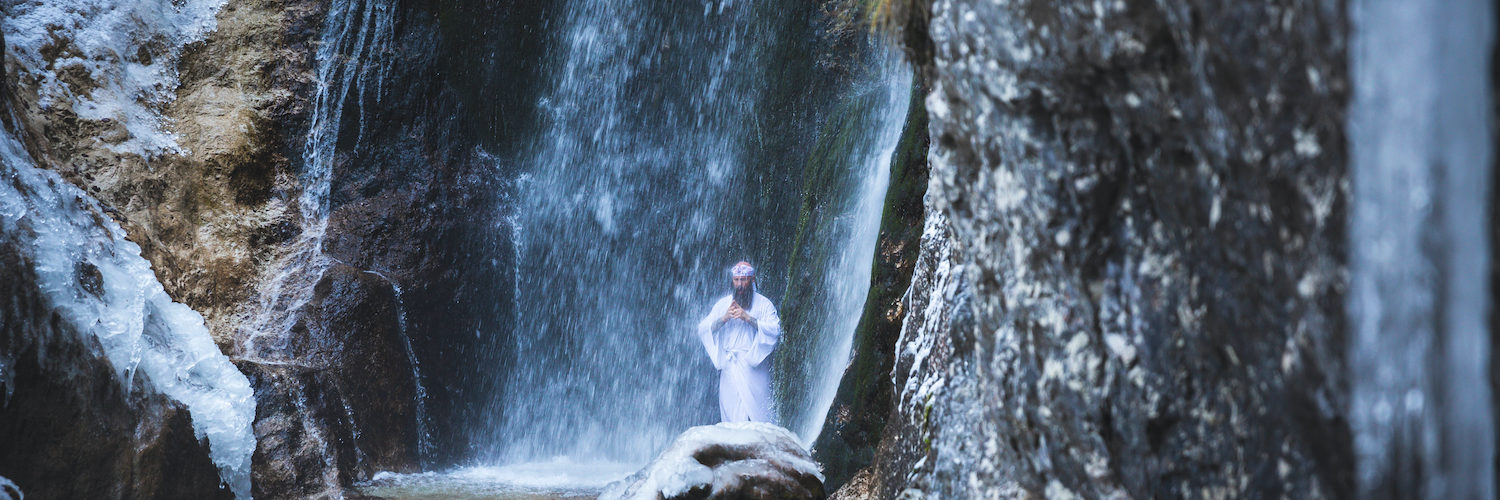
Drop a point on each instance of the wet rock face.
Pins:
(356, 320)
(303, 434)
(743, 460)
(343, 409)
(926, 365)
(1144, 294)
(418, 192)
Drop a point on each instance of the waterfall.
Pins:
(355, 36)
(619, 221)
(1421, 137)
(881, 103)
(632, 210)
(96, 280)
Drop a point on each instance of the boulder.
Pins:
(727, 460)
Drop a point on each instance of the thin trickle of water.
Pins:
(315, 435)
(424, 424)
(355, 36)
(1421, 409)
(355, 434)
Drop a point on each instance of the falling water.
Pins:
(356, 35)
(424, 429)
(1421, 139)
(881, 110)
(620, 221)
(632, 212)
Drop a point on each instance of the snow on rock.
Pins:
(727, 460)
(108, 61)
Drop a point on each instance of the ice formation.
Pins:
(95, 279)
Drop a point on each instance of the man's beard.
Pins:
(744, 296)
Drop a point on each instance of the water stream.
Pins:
(424, 422)
(1421, 141)
(356, 34)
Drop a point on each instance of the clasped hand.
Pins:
(737, 312)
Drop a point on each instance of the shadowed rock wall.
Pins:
(1131, 280)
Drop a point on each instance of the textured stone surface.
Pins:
(1144, 294)
(343, 408)
(354, 320)
(302, 432)
(206, 216)
(926, 361)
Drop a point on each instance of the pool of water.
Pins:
(556, 479)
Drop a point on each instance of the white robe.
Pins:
(740, 351)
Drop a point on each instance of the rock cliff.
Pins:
(1131, 280)
(190, 132)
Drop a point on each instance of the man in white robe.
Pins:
(739, 334)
